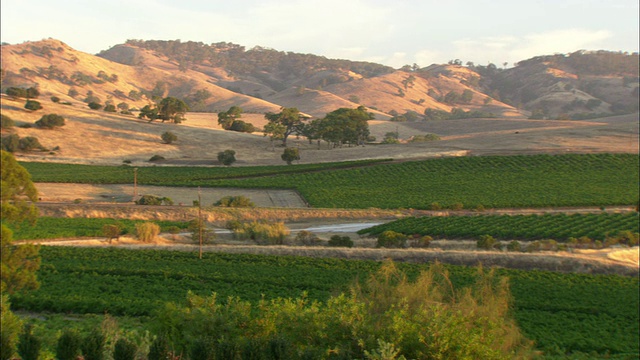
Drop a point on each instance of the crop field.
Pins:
(565, 312)
(489, 182)
(559, 227)
(54, 228)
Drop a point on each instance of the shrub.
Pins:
(154, 200)
(456, 206)
(434, 206)
(124, 350)
(6, 122)
(262, 233)
(32, 105)
(234, 201)
(422, 242)
(290, 155)
(486, 242)
(50, 121)
(93, 345)
(93, 105)
(198, 227)
(10, 143)
(29, 143)
(111, 231)
(156, 158)
(514, 245)
(392, 239)
(201, 349)
(227, 157)
(424, 138)
(68, 347)
(147, 231)
(55, 99)
(307, 238)
(159, 349)
(28, 344)
(110, 108)
(340, 241)
(16, 92)
(168, 137)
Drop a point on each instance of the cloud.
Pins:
(508, 48)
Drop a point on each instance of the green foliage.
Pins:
(307, 238)
(290, 155)
(451, 322)
(28, 344)
(424, 138)
(29, 93)
(94, 105)
(32, 105)
(149, 199)
(561, 227)
(549, 306)
(93, 345)
(50, 121)
(262, 232)
(227, 157)
(29, 143)
(341, 126)
(340, 241)
(391, 239)
(112, 231)
(156, 158)
(19, 263)
(490, 181)
(288, 121)
(147, 232)
(6, 122)
(11, 326)
(172, 109)
(125, 350)
(160, 349)
(168, 137)
(55, 99)
(69, 343)
(10, 143)
(486, 242)
(199, 230)
(227, 118)
(110, 108)
(234, 201)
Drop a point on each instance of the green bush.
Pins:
(93, 105)
(32, 105)
(290, 155)
(29, 345)
(340, 241)
(110, 108)
(514, 245)
(262, 233)
(486, 242)
(392, 239)
(154, 200)
(6, 122)
(307, 238)
(68, 347)
(156, 158)
(168, 137)
(29, 143)
(234, 201)
(55, 99)
(124, 350)
(159, 349)
(50, 121)
(10, 143)
(227, 157)
(147, 231)
(93, 345)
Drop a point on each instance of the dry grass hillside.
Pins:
(98, 137)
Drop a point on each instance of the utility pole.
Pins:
(135, 184)
(200, 220)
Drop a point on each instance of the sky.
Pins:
(393, 33)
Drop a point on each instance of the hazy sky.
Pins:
(389, 32)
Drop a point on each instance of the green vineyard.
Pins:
(471, 182)
(559, 227)
(560, 312)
